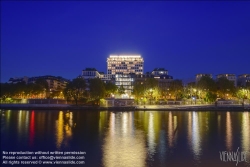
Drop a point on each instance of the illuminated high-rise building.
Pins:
(124, 64)
(122, 68)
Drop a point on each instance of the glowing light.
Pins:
(59, 130)
(245, 132)
(32, 129)
(228, 132)
(125, 56)
(170, 130)
(196, 137)
(151, 135)
(123, 147)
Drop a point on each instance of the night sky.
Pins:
(63, 38)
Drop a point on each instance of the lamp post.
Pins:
(195, 95)
(151, 95)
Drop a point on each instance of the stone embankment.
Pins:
(127, 108)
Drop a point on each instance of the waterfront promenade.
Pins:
(228, 107)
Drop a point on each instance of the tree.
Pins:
(205, 85)
(96, 89)
(75, 89)
(225, 87)
(176, 88)
(121, 90)
(151, 83)
(210, 97)
(147, 89)
(138, 91)
(110, 88)
(43, 83)
(5, 91)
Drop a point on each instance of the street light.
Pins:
(150, 95)
(195, 96)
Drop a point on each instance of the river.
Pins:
(132, 138)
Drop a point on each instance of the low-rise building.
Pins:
(54, 83)
(198, 76)
(157, 72)
(243, 80)
(160, 74)
(230, 77)
(90, 73)
(15, 80)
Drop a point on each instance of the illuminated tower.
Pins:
(124, 64)
(122, 68)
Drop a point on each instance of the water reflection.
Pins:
(172, 129)
(59, 130)
(103, 116)
(151, 136)
(194, 134)
(63, 129)
(130, 138)
(32, 129)
(23, 124)
(123, 146)
(245, 132)
(228, 132)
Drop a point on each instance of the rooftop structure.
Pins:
(157, 72)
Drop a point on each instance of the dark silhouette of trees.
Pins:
(75, 89)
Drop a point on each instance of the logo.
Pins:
(232, 156)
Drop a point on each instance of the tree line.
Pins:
(147, 90)
(206, 89)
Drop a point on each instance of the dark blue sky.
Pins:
(62, 38)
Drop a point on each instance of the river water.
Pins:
(117, 139)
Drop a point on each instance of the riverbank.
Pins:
(127, 108)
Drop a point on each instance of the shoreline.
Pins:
(127, 108)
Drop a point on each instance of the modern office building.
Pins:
(198, 76)
(124, 64)
(230, 77)
(243, 80)
(122, 68)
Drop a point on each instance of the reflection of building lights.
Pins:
(102, 120)
(59, 130)
(151, 135)
(122, 145)
(190, 128)
(228, 131)
(112, 123)
(219, 126)
(170, 130)
(245, 132)
(32, 129)
(19, 125)
(124, 123)
(196, 139)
